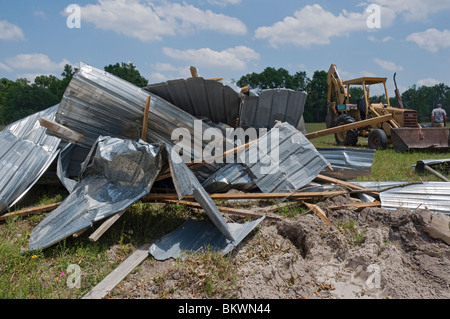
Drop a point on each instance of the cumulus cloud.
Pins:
(388, 65)
(314, 25)
(35, 61)
(149, 22)
(431, 39)
(414, 10)
(428, 82)
(9, 31)
(233, 58)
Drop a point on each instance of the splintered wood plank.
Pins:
(118, 274)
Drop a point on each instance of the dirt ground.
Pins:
(373, 253)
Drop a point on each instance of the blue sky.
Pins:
(231, 38)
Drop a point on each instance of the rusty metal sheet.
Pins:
(404, 139)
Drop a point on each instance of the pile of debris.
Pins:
(113, 141)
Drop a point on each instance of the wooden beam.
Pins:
(262, 196)
(346, 127)
(355, 206)
(30, 211)
(145, 120)
(326, 179)
(216, 79)
(319, 212)
(234, 211)
(61, 131)
(105, 226)
(194, 72)
(118, 274)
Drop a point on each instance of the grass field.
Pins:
(47, 275)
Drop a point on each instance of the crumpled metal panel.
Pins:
(187, 184)
(273, 105)
(97, 103)
(231, 176)
(195, 236)
(201, 98)
(26, 152)
(298, 162)
(116, 173)
(348, 163)
(432, 195)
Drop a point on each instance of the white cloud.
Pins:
(9, 31)
(388, 65)
(414, 10)
(428, 82)
(431, 39)
(35, 61)
(233, 58)
(224, 3)
(313, 25)
(4, 67)
(148, 22)
(385, 39)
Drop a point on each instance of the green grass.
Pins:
(388, 164)
(44, 274)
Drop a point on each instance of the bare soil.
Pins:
(374, 253)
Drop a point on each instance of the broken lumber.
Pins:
(118, 274)
(234, 211)
(61, 131)
(346, 127)
(30, 211)
(105, 226)
(145, 121)
(261, 196)
(351, 186)
(319, 212)
(355, 206)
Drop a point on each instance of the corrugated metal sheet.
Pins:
(116, 173)
(201, 98)
(348, 163)
(197, 236)
(432, 195)
(97, 103)
(298, 162)
(231, 176)
(282, 105)
(25, 154)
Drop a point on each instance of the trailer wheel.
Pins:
(347, 138)
(378, 139)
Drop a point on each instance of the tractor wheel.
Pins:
(378, 139)
(347, 138)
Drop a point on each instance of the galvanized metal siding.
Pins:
(201, 98)
(273, 105)
(25, 154)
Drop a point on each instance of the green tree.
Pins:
(272, 78)
(127, 72)
(316, 103)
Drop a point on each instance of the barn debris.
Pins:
(113, 141)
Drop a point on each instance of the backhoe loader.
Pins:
(341, 111)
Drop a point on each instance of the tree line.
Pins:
(21, 98)
(423, 99)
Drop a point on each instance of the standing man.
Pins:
(439, 117)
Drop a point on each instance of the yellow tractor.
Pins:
(342, 112)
